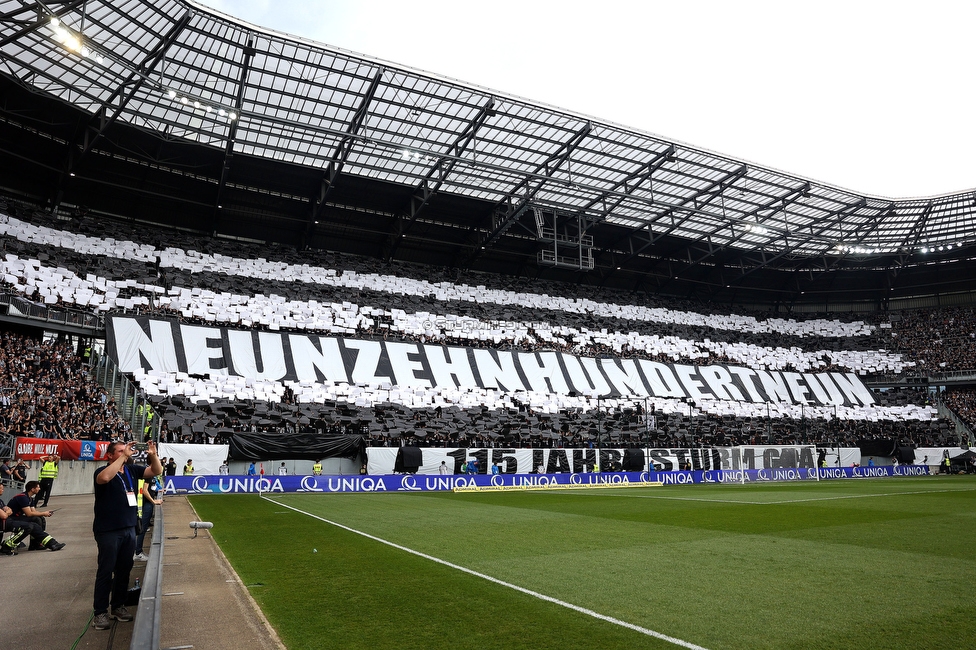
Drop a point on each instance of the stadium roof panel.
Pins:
(184, 71)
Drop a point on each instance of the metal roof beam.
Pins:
(44, 16)
(630, 183)
(249, 53)
(445, 164)
(915, 234)
(100, 122)
(257, 118)
(512, 212)
(786, 198)
(341, 153)
(767, 261)
(654, 238)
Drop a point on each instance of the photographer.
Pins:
(115, 528)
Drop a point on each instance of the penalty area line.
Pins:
(483, 576)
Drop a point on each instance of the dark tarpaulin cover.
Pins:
(885, 447)
(408, 460)
(906, 455)
(295, 446)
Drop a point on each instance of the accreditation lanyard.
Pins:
(130, 494)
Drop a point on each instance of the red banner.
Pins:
(34, 448)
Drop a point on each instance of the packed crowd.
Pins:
(47, 392)
(939, 340)
(962, 401)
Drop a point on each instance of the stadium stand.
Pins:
(292, 292)
(689, 258)
(46, 391)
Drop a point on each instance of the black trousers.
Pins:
(45, 493)
(40, 522)
(115, 550)
(21, 528)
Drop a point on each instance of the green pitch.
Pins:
(877, 563)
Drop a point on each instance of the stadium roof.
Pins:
(268, 136)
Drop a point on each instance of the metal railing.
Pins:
(963, 429)
(7, 442)
(129, 399)
(145, 630)
(7, 448)
(15, 305)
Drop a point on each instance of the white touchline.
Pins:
(529, 592)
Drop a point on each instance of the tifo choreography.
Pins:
(168, 346)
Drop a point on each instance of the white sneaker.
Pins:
(140, 557)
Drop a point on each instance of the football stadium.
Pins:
(422, 364)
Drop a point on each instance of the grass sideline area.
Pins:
(875, 563)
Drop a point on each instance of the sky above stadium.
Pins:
(874, 97)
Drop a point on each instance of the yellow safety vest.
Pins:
(317, 468)
(48, 470)
(142, 483)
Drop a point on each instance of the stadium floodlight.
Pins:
(68, 39)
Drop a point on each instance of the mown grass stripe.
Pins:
(780, 502)
(528, 592)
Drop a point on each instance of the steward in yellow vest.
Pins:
(49, 472)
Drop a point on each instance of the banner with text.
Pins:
(34, 448)
(382, 460)
(785, 474)
(433, 483)
(169, 346)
